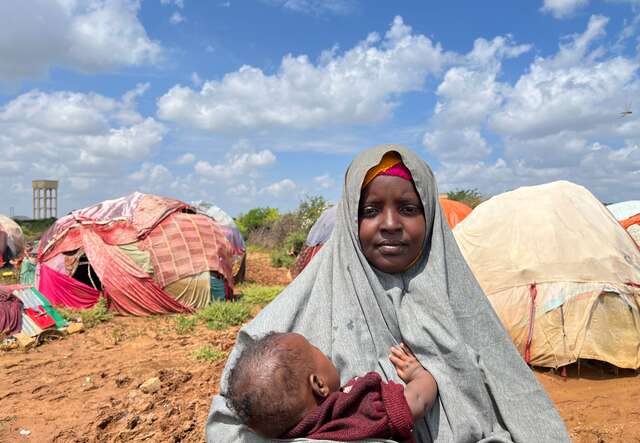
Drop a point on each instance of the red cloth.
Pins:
(130, 290)
(62, 290)
(366, 407)
(10, 312)
(188, 244)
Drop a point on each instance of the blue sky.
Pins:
(258, 103)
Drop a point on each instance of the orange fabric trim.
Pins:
(388, 160)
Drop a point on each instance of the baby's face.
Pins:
(323, 367)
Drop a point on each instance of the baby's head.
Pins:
(277, 380)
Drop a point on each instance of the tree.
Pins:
(470, 197)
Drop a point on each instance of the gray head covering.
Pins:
(354, 313)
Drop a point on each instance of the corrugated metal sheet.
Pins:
(29, 327)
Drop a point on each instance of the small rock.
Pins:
(75, 328)
(25, 432)
(122, 381)
(150, 386)
(133, 422)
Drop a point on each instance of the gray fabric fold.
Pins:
(354, 313)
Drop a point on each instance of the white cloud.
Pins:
(281, 188)
(75, 135)
(185, 159)
(358, 86)
(559, 120)
(176, 18)
(316, 7)
(237, 164)
(177, 3)
(563, 8)
(323, 181)
(224, 4)
(85, 36)
(195, 79)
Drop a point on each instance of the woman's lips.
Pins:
(391, 248)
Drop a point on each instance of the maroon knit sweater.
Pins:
(366, 407)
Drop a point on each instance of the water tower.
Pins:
(45, 199)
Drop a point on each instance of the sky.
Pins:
(253, 103)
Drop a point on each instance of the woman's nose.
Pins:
(390, 220)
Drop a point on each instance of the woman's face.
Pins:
(391, 223)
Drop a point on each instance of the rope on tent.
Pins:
(533, 292)
(89, 275)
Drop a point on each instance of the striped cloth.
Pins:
(188, 244)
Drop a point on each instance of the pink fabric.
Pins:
(62, 290)
(130, 290)
(398, 170)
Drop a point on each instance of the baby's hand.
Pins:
(406, 364)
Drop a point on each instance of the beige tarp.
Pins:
(194, 290)
(14, 237)
(559, 237)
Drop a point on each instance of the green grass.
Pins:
(185, 325)
(259, 295)
(90, 317)
(220, 315)
(208, 353)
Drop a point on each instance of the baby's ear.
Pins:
(319, 386)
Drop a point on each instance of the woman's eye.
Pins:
(410, 210)
(368, 212)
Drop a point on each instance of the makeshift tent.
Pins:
(318, 236)
(233, 235)
(11, 240)
(561, 273)
(320, 232)
(146, 254)
(628, 214)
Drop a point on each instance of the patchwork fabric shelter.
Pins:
(146, 254)
(233, 235)
(561, 273)
(11, 240)
(320, 232)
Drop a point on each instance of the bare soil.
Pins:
(85, 387)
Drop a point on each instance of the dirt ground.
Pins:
(85, 388)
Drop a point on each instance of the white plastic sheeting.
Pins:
(624, 210)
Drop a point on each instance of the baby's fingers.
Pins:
(398, 352)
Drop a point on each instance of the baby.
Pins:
(284, 387)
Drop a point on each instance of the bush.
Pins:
(260, 295)
(208, 353)
(185, 325)
(470, 197)
(256, 219)
(90, 317)
(280, 258)
(219, 315)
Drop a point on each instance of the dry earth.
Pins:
(85, 388)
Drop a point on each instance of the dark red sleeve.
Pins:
(371, 408)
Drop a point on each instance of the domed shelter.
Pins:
(146, 254)
(628, 214)
(11, 240)
(560, 272)
(320, 232)
(233, 235)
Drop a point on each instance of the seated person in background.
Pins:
(284, 387)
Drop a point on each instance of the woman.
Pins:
(383, 279)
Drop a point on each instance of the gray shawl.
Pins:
(354, 313)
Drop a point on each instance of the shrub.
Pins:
(280, 258)
(219, 315)
(470, 197)
(90, 317)
(260, 295)
(185, 325)
(208, 353)
(256, 219)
